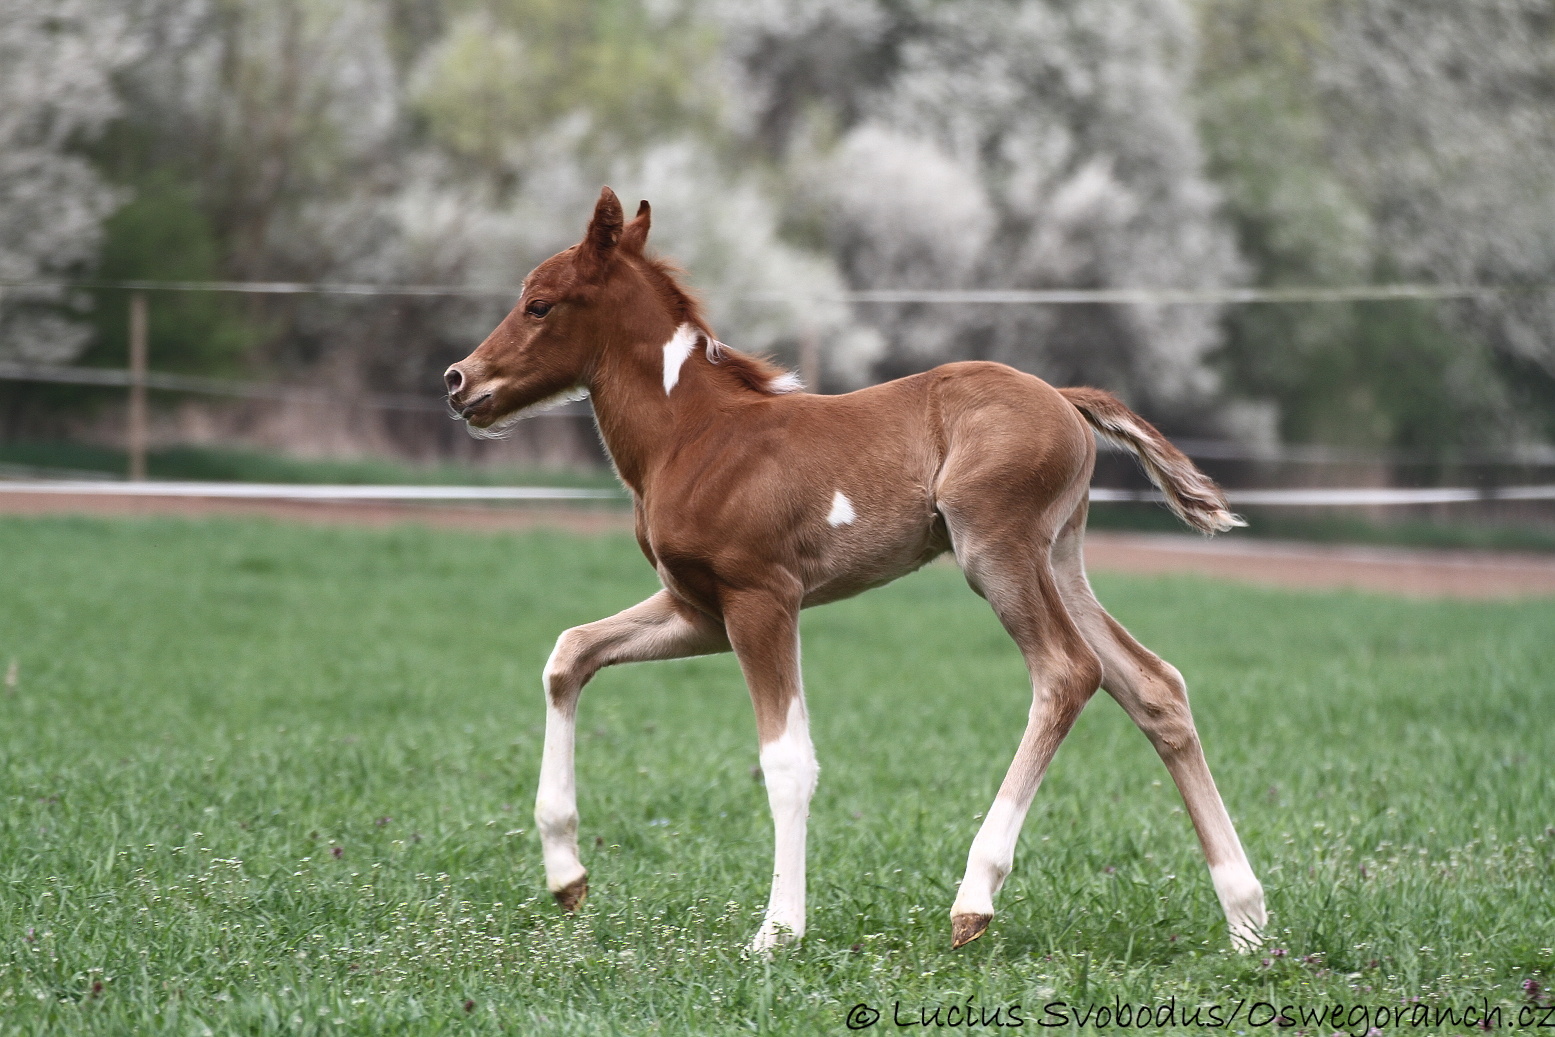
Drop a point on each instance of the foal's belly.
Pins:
(864, 554)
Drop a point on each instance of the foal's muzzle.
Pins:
(470, 408)
(457, 383)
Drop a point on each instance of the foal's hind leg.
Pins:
(1152, 692)
(663, 627)
(1012, 572)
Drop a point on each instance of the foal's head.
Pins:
(601, 309)
(600, 295)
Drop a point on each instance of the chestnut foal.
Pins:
(754, 500)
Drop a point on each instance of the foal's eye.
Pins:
(538, 308)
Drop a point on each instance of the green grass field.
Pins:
(271, 779)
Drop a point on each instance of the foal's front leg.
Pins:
(663, 627)
(764, 630)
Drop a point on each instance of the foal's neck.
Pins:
(641, 421)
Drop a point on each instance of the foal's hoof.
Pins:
(771, 936)
(966, 928)
(571, 896)
(1246, 938)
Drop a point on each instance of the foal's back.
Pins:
(849, 492)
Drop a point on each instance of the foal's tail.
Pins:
(1192, 495)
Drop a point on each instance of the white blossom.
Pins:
(56, 62)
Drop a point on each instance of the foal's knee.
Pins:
(570, 665)
(1077, 673)
(1084, 674)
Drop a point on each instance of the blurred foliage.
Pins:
(1366, 375)
(1280, 110)
(798, 149)
(57, 63)
(506, 71)
(163, 235)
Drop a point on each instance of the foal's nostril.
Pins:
(454, 379)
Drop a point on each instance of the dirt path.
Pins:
(1433, 574)
(1389, 570)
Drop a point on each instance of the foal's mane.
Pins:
(756, 373)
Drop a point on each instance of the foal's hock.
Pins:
(755, 499)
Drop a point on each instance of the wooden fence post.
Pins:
(137, 429)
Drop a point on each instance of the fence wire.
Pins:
(1199, 449)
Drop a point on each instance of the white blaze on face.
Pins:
(676, 350)
(842, 513)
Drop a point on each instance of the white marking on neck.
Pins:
(785, 383)
(842, 513)
(676, 351)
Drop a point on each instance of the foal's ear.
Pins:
(636, 234)
(600, 240)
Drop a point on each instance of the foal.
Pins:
(754, 499)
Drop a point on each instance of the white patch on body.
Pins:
(785, 383)
(676, 351)
(842, 513)
(788, 766)
(992, 856)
